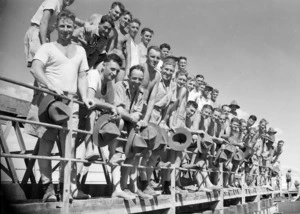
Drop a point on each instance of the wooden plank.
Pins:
(10, 164)
(7, 129)
(14, 105)
(105, 169)
(30, 165)
(20, 137)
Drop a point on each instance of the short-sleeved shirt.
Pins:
(60, 70)
(94, 82)
(53, 5)
(124, 99)
(194, 95)
(164, 94)
(202, 101)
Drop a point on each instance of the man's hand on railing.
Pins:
(89, 103)
(56, 89)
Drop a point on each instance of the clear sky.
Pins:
(249, 50)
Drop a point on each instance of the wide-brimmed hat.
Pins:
(272, 131)
(270, 139)
(204, 144)
(135, 144)
(53, 110)
(229, 149)
(149, 134)
(238, 157)
(105, 130)
(180, 139)
(249, 152)
(221, 156)
(234, 103)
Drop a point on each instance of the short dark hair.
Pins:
(165, 45)
(192, 103)
(253, 117)
(138, 67)
(199, 76)
(147, 29)
(120, 4)
(115, 58)
(207, 106)
(135, 20)
(154, 48)
(215, 90)
(280, 141)
(218, 109)
(181, 73)
(66, 14)
(126, 12)
(235, 119)
(107, 18)
(182, 57)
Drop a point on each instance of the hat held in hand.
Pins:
(105, 130)
(180, 139)
(53, 110)
(135, 144)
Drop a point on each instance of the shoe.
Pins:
(179, 189)
(145, 187)
(153, 184)
(49, 194)
(130, 193)
(143, 195)
(268, 187)
(204, 189)
(91, 157)
(166, 188)
(214, 187)
(79, 195)
(122, 194)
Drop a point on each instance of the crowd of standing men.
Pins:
(144, 94)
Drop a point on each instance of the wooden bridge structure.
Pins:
(22, 194)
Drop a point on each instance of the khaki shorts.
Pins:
(43, 132)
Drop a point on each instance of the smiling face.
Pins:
(190, 111)
(235, 126)
(181, 81)
(115, 13)
(216, 115)
(153, 58)
(182, 64)
(104, 29)
(110, 70)
(206, 112)
(124, 20)
(164, 52)
(167, 72)
(136, 77)
(146, 37)
(191, 84)
(133, 29)
(65, 28)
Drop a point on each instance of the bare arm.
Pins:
(82, 88)
(128, 55)
(44, 25)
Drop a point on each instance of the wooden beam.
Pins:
(19, 137)
(30, 165)
(10, 164)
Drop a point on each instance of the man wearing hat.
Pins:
(101, 90)
(233, 107)
(60, 67)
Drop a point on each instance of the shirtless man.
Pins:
(146, 36)
(278, 151)
(165, 50)
(132, 48)
(191, 84)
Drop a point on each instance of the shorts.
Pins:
(288, 180)
(49, 134)
(32, 42)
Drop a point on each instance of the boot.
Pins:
(49, 194)
(166, 188)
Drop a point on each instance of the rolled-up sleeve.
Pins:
(120, 94)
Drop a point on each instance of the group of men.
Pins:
(139, 91)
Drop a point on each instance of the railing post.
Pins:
(243, 184)
(172, 209)
(67, 168)
(220, 205)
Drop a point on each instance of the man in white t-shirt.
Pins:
(42, 24)
(197, 92)
(131, 46)
(59, 67)
(205, 98)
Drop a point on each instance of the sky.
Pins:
(249, 50)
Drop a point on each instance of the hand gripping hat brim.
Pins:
(53, 111)
(204, 144)
(135, 144)
(105, 130)
(238, 157)
(180, 139)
